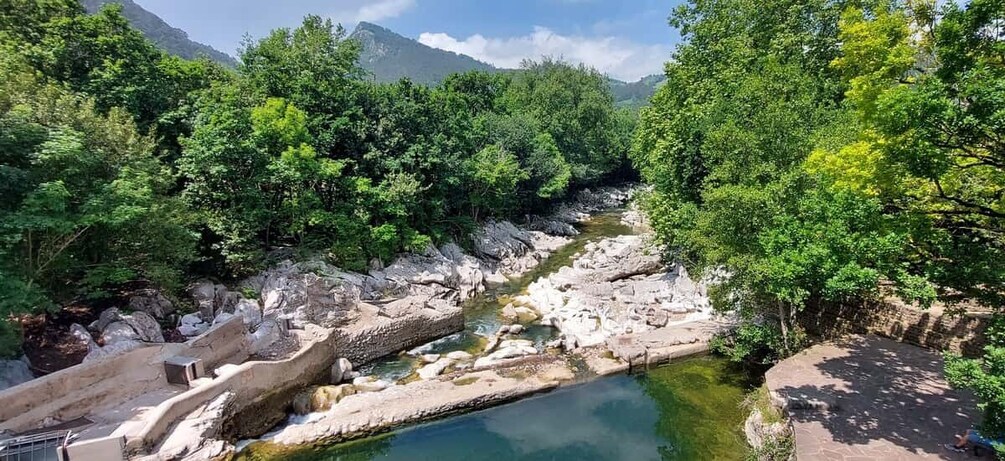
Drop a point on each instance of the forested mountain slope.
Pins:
(174, 41)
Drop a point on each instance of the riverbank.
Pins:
(416, 391)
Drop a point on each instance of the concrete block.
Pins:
(101, 449)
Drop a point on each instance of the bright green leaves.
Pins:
(495, 174)
(985, 377)
(547, 167)
(90, 209)
(876, 53)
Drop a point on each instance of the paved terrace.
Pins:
(870, 398)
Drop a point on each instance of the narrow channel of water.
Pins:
(690, 410)
(482, 314)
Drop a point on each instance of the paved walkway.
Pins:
(871, 398)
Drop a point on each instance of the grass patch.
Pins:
(759, 400)
(465, 381)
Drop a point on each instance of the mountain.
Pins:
(386, 55)
(172, 40)
(389, 57)
(636, 94)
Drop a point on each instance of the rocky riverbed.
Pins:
(542, 303)
(607, 291)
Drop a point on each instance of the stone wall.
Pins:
(263, 390)
(80, 390)
(931, 329)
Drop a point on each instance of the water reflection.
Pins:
(685, 411)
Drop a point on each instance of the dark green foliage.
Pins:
(575, 106)
(986, 378)
(90, 207)
(117, 160)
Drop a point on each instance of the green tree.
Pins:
(575, 106)
(494, 177)
(91, 208)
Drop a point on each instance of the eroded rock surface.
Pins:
(617, 286)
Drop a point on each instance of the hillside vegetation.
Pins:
(121, 164)
(818, 152)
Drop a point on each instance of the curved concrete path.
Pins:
(870, 398)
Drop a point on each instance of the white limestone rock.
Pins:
(434, 369)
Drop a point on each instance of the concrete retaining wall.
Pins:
(257, 384)
(82, 389)
(931, 329)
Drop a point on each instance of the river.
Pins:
(482, 313)
(689, 410)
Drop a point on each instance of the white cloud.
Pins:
(620, 58)
(372, 10)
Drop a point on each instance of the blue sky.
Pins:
(625, 39)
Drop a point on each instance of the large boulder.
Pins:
(320, 398)
(312, 292)
(193, 324)
(341, 370)
(370, 384)
(204, 296)
(249, 311)
(152, 302)
(14, 372)
(501, 240)
(434, 369)
(554, 227)
(470, 274)
(147, 327)
(267, 334)
(509, 349)
(114, 326)
(117, 332)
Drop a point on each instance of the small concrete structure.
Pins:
(870, 398)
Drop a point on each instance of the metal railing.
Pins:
(35, 447)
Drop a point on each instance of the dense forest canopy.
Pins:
(833, 152)
(121, 164)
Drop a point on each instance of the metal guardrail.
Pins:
(35, 447)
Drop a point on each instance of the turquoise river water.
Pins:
(690, 410)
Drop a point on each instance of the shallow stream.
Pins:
(482, 313)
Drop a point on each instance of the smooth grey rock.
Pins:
(370, 384)
(341, 370)
(14, 372)
(434, 369)
(460, 356)
(249, 311)
(152, 302)
(267, 334)
(146, 326)
(117, 332)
